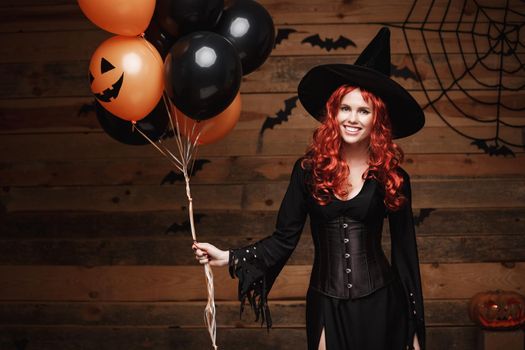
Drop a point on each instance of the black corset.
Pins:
(349, 261)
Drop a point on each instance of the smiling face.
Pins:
(355, 118)
(126, 76)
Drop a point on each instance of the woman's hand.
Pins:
(208, 253)
(416, 343)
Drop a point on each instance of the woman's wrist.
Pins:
(226, 257)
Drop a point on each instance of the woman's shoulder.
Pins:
(300, 165)
(401, 171)
(301, 170)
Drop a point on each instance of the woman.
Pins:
(348, 181)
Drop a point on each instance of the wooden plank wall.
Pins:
(95, 251)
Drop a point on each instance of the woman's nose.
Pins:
(352, 116)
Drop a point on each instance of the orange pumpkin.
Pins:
(498, 309)
(126, 76)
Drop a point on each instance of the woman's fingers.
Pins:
(204, 261)
(199, 252)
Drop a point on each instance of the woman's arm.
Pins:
(257, 265)
(405, 261)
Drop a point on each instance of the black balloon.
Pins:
(250, 28)
(180, 17)
(159, 38)
(202, 74)
(154, 125)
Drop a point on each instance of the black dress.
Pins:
(387, 317)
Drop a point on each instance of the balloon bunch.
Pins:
(175, 65)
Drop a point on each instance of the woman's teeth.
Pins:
(352, 129)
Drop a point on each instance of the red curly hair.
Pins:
(330, 171)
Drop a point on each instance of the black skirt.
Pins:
(375, 322)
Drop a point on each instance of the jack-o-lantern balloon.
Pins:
(126, 76)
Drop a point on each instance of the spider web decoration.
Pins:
(495, 68)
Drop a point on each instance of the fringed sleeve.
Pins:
(257, 265)
(405, 261)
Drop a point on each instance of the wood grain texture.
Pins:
(176, 250)
(188, 313)
(48, 46)
(278, 74)
(163, 283)
(89, 146)
(164, 338)
(426, 193)
(243, 224)
(62, 115)
(230, 170)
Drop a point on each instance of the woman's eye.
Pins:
(345, 109)
(364, 111)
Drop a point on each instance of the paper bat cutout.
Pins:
(493, 150)
(173, 176)
(283, 34)
(423, 214)
(403, 73)
(328, 43)
(86, 108)
(21, 343)
(185, 226)
(281, 116)
(168, 134)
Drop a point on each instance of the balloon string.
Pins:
(173, 159)
(187, 151)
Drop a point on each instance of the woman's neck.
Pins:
(356, 153)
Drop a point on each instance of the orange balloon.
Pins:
(124, 17)
(213, 129)
(127, 76)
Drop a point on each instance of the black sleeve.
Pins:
(257, 265)
(405, 261)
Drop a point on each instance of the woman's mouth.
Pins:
(351, 129)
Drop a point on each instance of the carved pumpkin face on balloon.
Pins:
(126, 76)
(107, 72)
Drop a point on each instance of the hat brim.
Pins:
(316, 87)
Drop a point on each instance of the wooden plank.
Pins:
(39, 16)
(163, 283)
(292, 142)
(230, 170)
(278, 74)
(188, 314)
(176, 250)
(125, 198)
(80, 44)
(63, 114)
(244, 224)
(436, 193)
(162, 338)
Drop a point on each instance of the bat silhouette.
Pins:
(328, 43)
(173, 176)
(423, 214)
(403, 73)
(168, 134)
(283, 34)
(281, 116)
(185, 226)
(86, 108)
(493, 150)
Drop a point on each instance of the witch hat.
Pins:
(371, 71)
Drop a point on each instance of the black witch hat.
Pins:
(371, 71)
